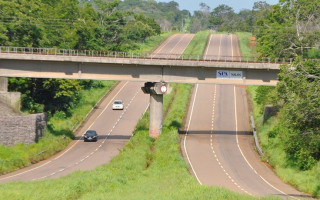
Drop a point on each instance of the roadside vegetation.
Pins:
(246, 43)
(290, 137)
(145, 169)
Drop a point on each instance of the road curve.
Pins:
(114, 127)
(218, 144)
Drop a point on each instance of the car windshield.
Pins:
(91, 133)
(118, 102)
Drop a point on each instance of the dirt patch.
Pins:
(252, 43)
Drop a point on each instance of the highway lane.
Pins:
(218, 145)
(173, 49)
(114, 127)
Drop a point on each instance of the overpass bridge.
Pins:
(97, 65)
(156, 70)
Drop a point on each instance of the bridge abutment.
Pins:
(3, 84)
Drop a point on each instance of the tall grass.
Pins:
(56, 137)
(145, 169)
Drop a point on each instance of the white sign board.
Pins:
(226, 74)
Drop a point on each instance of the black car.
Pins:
(90, 135)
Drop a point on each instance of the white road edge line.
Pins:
(185, 137)
(205, 57)
(235, 108)
(219, 53)
(231, 48)
(153, 54)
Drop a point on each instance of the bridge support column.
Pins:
(156, 91)
(3, 84)
(155, 121)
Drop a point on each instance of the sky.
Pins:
(237, 5)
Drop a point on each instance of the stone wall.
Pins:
(21, 129)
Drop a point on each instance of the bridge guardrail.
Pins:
(135, 55)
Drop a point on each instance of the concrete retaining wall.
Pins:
(269, 111)
(21, 129)
(12, 99)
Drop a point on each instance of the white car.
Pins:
(117, 105)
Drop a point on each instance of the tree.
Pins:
(298, 92)
(200, 19)
(221, 17)
(290, 29)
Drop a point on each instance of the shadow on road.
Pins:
(215, 132)
(108, 137)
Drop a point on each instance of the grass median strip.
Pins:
(197, 46)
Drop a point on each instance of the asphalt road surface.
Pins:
(218, 144)
(115, 127)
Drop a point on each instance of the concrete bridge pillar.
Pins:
(156, 91)
(3, 84)
(155, 123)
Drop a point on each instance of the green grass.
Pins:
(145, 169)
(273, 147)
(244, 42)
(56, 137)
(197, 46)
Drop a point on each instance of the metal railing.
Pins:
(135, 55)
(256, 137)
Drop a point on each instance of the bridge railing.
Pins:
(135, 55)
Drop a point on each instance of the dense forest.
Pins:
(167, 15)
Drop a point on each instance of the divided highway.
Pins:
(218, 144)
(115, 127)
